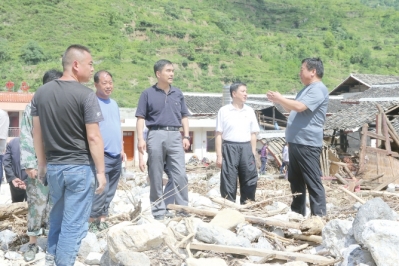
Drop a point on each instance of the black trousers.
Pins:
(17, 194)
(238, 159)
(304, 172)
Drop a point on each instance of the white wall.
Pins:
(199, 128)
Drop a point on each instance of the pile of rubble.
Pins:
(358, 230)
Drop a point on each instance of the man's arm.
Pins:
(28, 155)
(96, 146)
(186, 132)
(253, 142)
(141, 145)
(287, 104)
(218, 146)
(7, 163)
(39, 148)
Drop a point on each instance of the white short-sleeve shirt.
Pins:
(236, 125)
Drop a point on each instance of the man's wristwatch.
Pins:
(187, 137)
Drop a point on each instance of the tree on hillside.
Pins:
(4, 50)
(32, 53)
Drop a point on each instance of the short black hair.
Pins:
(98, 73)
(314, 63)
(235, 86)
(160, 64)
(50, 75)
(68, 56)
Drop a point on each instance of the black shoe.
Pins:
(159, 217)
(183, 214)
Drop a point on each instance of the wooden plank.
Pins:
(251, 219)
(341, 179)
(352, 195)
(386, 183)
(386, 134)
(363, 145)
(226, 203)
(18, 208)
(375, 178)
(378, 137)
(281, 255)
(311, 238)
(392, 130)
(381, 151)
(378, 129)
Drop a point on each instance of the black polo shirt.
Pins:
(161, 109)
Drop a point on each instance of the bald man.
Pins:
(69, 147)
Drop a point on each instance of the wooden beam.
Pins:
(18, 208)
(378, 129)
(386, 183)
(362, 201)
(341, 179)
(251, 219)
(386, 134)
(363, 145)
(226, 203)
(375, 178)
(281, 255)
(311, 238)
(381, 151)
(378, 137)
(377, 193)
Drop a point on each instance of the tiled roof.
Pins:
(198, 104)
(16, 97)
(372, 79)
(356, 115)
(386, 91)
(335, 105)
(203, 104)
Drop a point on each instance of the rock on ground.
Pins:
(213, 234)
(355, 255)
(262, 243)
(93, 258)
(128, 237)
(374, 209)
(207, 262)
(381, 238)
(228, 218)
(129, 258)
(6, 238)
(89, 244)
(337, 235)
(248, 231)
(106, 260)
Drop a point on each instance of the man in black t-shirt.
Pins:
(68, 146)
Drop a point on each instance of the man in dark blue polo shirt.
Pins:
(163, 109)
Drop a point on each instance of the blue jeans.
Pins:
(71, 190)
(263, 161)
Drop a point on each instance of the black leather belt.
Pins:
(165, 128)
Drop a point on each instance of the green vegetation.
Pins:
(211, 42)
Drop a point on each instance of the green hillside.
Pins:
(211, 42)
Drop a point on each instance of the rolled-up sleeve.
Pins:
(219, 121)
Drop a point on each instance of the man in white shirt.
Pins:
(236, 130)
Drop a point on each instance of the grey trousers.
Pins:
(166, 147)
(101, 202)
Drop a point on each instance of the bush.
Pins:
(32, 53)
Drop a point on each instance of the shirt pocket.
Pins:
(176, 106)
